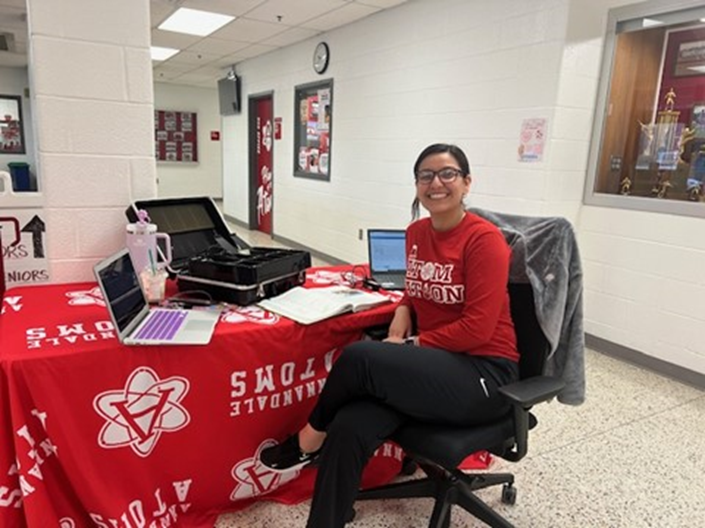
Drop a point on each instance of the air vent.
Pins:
(7, 42)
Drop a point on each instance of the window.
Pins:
(648, 147)
(313, 117)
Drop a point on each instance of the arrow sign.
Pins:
(36, 226)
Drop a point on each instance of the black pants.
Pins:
(372, 389)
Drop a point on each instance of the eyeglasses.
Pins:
(446, 175)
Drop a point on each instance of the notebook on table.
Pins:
(387, 257)
(138, 324)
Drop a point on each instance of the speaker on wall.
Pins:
(229, 95)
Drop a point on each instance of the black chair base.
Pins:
(449, 488)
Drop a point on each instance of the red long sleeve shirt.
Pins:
(456, 285)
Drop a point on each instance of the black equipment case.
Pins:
(207, 257)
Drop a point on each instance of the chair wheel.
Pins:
(351, 516)
(509, 494)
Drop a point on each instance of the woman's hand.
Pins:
(400, 326)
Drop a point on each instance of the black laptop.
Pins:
(387, 257)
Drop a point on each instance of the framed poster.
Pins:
(683, 71)
(11, 125)
(313, 120)
(175, 136)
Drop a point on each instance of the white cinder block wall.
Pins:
(92, 92)
(469, 73)
(205, 177)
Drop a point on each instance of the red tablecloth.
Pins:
(94, 433)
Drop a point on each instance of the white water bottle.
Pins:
(141, 241)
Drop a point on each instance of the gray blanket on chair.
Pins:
(545, 254)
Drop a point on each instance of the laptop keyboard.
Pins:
(397, 278)
(162, 325)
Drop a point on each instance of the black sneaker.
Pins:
(287, 456)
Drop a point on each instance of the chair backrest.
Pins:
(531, 341)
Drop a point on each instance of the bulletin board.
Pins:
(313, 119)
(175, 136)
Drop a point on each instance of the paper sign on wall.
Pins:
(25, 262)
(532, 139)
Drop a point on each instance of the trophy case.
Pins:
(652, 141)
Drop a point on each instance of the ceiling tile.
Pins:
(160, 75)
(247, 53)
(209, 71)
(225, 7)
(345, 15)
(254, 33)
(198, 77)
(159, 11)
(384, 4)
(193, 57)
(170, 39)
(218, 47)
(293, 13)
(245, 30)
(173, 68)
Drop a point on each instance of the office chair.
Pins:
(438, 450)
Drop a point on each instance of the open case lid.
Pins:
(193, 224)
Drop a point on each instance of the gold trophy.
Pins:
(671, 140)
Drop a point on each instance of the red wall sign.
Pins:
(215, 135)
(277, 128)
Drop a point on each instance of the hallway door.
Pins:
(261, 160)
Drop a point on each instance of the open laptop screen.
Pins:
(387, 250)
(122, 290)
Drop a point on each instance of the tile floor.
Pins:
(632, 456)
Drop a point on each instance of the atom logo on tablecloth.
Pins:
(137, 415)
(254, 478)
(86, 297)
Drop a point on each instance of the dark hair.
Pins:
(439, 148)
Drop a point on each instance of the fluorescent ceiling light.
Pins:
(160, 54)
(650, 22)
(195, 22)
(699, 69)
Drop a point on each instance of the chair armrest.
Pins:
(523, 395)
(530, 391)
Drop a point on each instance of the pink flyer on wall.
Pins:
(532, 139)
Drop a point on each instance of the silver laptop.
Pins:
(138, 324)
(387, 257)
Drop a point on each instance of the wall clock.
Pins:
(321, 57)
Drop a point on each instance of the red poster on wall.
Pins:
(263, 118)
(175, 136)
